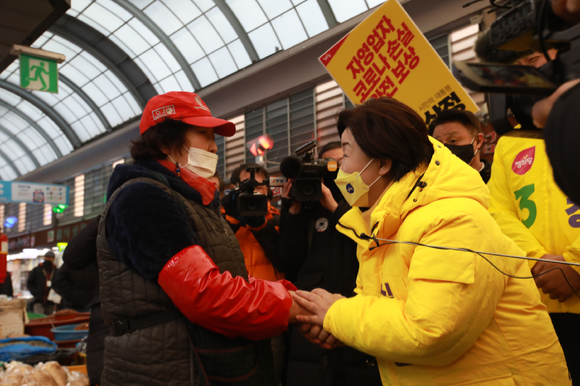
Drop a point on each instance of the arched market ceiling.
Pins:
(120, 53)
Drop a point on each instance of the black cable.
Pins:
(364, 236)
(477, 253)
(541, 21)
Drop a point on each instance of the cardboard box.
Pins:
(12, 317)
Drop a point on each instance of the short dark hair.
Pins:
(235, 178)
(465, 118)
(169, 133)
(329, 146)
(385, 128)
(221, 184)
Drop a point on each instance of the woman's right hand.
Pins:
(296, 206)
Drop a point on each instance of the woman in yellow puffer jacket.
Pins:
(431, 317)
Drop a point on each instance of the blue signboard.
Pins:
(33, 193)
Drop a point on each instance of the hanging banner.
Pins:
(33, 193)
(387, 55)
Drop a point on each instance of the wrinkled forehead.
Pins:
(451, 129)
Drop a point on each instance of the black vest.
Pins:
(176, 352)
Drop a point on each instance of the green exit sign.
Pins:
(38, 73)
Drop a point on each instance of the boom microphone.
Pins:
(290, 167)
(487, 52)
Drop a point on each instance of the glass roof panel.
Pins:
(265, 41)
(184, 83)
(275, 8)
(248, 12)
(131, 39)
(187, 44)
(204, 5)
(289, 29)
(109, 20)
(222, 25)
(163, 17)
(312, 17)
(8, 173)
(205, 72)
(185, 10)
(155, 64)
(223, 62)
(239, 53)
(63, 144)
(347, 9)
(170, 84)
(205, 34)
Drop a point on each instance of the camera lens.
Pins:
(308, 189)
(252, 205)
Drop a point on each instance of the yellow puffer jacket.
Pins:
(434, 317)
(530, 208)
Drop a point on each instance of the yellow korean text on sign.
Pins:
(387, 55)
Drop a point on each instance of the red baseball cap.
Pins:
(185, 107)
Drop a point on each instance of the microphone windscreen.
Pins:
(487, 52)
(291, 166)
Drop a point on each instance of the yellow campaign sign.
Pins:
(387, 55)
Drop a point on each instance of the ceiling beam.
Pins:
(237, 26)
(35, 125)
(10, 163)
(72, 85)
(327, 12)
(21, 144)
(46, 109)
(109, 54)
(167, 42)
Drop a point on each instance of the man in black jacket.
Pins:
(81, 253)
(39, 284)
(77, 286)
(316, 255)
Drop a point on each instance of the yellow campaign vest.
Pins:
(530, 208)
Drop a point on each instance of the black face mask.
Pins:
(463, 152)
(48, 265)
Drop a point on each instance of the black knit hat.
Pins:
(49, 254)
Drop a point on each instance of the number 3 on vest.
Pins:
(525, 203)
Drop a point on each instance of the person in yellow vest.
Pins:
(531, 210)
(258, 237)
(430, 316)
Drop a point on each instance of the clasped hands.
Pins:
(309, 309)
(551, 280)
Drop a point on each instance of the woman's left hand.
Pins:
(317, 303)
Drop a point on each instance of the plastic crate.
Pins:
(68, 333)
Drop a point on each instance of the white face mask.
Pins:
(201, 162)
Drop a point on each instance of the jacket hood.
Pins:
(446, 176)
(146, 169)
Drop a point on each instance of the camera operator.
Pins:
(316, 255)
(258, 237)
(559, 116)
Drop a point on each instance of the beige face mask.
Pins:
(353, 188)
(201, 162)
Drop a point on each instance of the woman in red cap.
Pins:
(174, 286)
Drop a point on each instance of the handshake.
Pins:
(309, 309)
